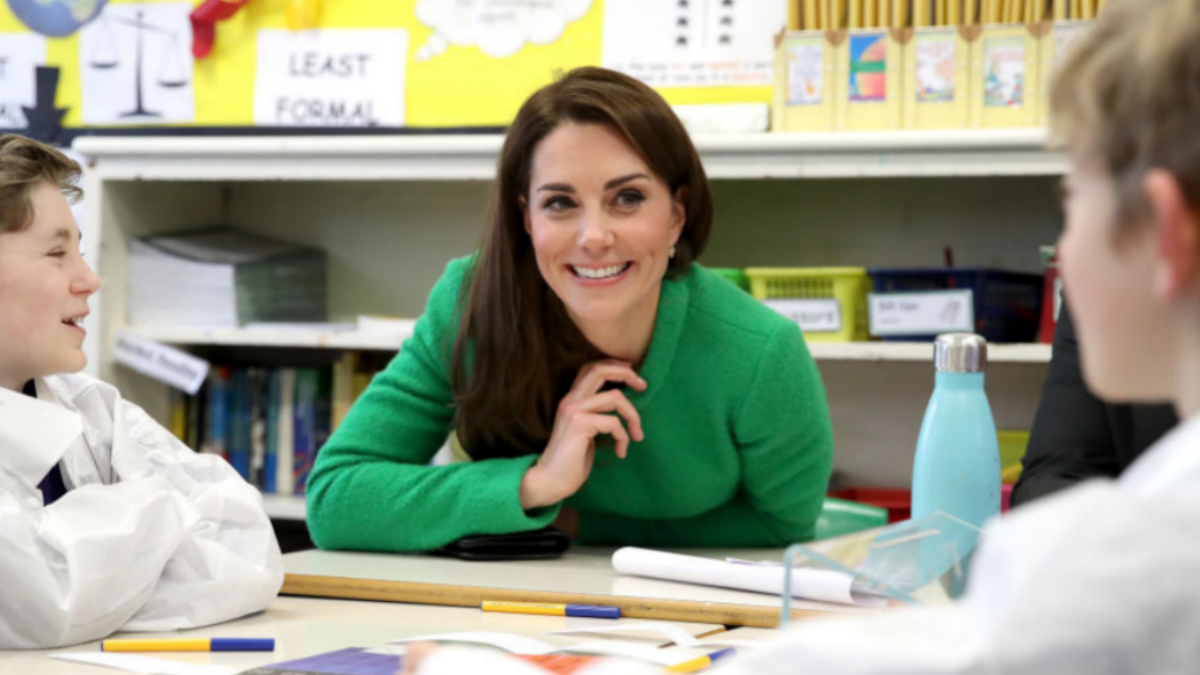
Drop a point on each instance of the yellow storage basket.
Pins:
(830, 303)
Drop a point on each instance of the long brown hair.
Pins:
(517, 351)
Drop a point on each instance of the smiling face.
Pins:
(602, 225)
(44, 289)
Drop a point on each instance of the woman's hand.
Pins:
(567, 461)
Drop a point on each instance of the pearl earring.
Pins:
(672, 251)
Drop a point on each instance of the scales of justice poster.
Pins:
(135, 65)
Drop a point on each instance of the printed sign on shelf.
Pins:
(161, 362)
(814, 316)
(923, 313)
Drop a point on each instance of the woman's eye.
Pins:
(558, 204)
(630, 198)
(58, 254)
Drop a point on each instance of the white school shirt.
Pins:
(1102, 579)
(150, 536)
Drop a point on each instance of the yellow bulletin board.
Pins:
(462, 86)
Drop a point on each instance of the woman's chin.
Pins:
(597, 313)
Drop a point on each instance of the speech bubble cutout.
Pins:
(500, 28)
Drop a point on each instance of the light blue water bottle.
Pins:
(957, 467)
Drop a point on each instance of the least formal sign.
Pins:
(331, 78)
(161, 362)
(924, 313)
(814, 315)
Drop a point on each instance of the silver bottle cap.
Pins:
(960, 353)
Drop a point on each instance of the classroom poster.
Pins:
(936, 66)
(330, 78)
(55, 18)
(1004, 72)
(868, 68)
(20, 54)
(693, 43)
(135, 64)
(805, 72)
(463, 66)
(499, 28)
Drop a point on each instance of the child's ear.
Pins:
(1176, 233)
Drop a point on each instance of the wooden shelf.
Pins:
(993, 152)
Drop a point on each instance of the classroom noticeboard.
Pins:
(461, 63)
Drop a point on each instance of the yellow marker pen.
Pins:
(551, 609)
(700, 663)
(190, 645)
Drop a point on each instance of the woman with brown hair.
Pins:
(599, 378)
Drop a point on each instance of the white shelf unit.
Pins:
(470, 157)
(391, 211)
(294, 338)
(380, 341)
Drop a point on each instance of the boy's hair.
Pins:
(24, 163)
(1127, 97)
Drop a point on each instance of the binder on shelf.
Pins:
(274, 402)
(217, 409)
(1055, 43)
(937, 77)
(870, 76)
(239, 398)
(805, 86)
(1005, 84)
(222, 278)
(285, 443)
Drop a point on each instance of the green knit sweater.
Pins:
(737, 450)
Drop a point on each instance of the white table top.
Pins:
(308, 626)
(582, 571)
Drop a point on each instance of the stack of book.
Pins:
(223, 278)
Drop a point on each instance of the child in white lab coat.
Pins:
(1104, 578)
(107, 522)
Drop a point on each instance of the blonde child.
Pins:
(107, 522)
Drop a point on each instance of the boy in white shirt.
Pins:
(1103, 578)
(107, 522)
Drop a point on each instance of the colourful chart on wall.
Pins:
(425, 63)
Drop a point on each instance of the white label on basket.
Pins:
(923, 313)
(814, 316)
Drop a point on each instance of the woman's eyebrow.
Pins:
(556, 187)
(565, 187)
(624, 179)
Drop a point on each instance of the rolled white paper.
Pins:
(810, 584)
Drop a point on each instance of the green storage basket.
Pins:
(848, 286)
